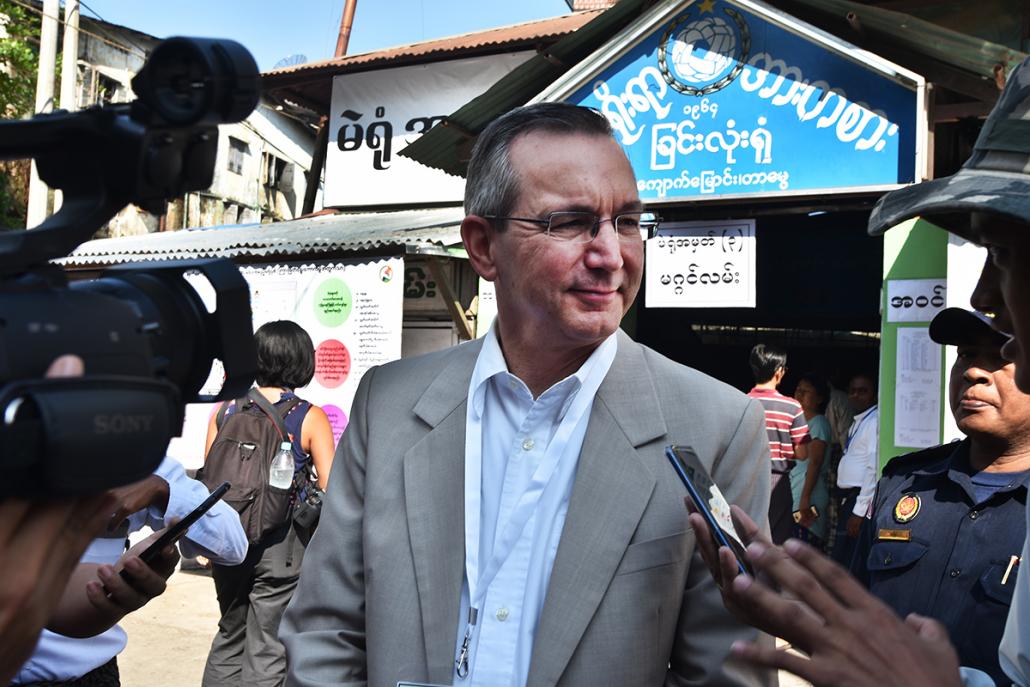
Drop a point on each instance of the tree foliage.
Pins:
(19, 62)
(19, 59)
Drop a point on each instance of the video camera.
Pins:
(146, 337)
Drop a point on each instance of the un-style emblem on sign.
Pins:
(704, 49)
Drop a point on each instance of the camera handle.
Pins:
(58, 432)
(102, 160)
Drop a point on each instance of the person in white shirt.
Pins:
(858, 468)
(502, 513)
(167, 494)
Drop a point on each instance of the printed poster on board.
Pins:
(353, 311)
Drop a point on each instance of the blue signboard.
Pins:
(722, 101)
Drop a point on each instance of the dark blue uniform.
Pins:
(933, 548)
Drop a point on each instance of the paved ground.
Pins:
(170, 636)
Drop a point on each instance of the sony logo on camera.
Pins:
(119, 423)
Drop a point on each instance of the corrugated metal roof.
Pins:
(311, 82)
(966, 52)
(447, 145)
(410, 229)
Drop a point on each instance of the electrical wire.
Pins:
(87, 32)
(97, 15)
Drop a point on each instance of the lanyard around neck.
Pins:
(854, 433)
(559, 451)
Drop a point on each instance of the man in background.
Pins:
(856, 473)
(850, 636)
(786, 431)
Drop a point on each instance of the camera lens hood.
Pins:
(193, 81)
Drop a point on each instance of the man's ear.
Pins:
(478, 236)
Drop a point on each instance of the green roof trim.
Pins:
(447, 145)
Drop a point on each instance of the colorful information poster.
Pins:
(353, 312)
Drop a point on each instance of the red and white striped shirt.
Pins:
(785, 424)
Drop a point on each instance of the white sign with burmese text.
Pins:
(701, 265)
(915, 300)
(374, 115)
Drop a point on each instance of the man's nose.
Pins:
(604, 251)
(986, 296)
(975, 374)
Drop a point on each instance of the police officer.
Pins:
(948, 522)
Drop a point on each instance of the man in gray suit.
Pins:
(502, 512)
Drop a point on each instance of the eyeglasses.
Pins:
(583, 227)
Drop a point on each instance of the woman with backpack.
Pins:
(253, 595)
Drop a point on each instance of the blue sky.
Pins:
(275, 30)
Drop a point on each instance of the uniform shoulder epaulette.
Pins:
(906, 463)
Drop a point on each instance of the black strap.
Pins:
(275, 415)
(291, 536)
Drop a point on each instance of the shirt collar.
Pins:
(865, 413)
(491, 363)
(955, 466)
(954, 458)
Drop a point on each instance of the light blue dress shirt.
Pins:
(217, 535)
(520, 463)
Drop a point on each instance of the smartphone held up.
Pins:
(709, 502)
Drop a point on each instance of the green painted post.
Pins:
(914, 249)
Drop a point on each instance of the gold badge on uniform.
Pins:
(907, 508)
(894, 535)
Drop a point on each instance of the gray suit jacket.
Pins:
(629, 601)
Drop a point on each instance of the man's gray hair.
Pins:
(492, 185)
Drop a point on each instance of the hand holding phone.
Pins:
(176, 532)
(708, 501)
(813, 513)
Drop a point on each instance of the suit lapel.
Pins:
(434, 497)
(611, 491)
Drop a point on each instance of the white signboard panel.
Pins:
(917, 393)
(915, 300)
(353, 312)
(965, 261)
(702, 265)
(374, 115)
(487, 312)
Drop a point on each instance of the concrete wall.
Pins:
(265, 133)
